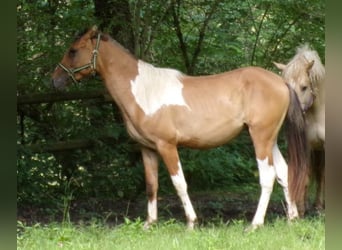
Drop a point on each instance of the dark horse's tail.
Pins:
(297, 148)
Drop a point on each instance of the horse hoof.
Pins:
(293, 215)
(319, 210)
(190, 225)
(252, 228)
(294, 218)
(319, 207)
(147, 225)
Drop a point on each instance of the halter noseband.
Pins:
(92, 64)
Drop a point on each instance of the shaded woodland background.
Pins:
(72, 146)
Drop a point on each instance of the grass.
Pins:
(303, 234)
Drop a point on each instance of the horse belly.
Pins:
(209, 135)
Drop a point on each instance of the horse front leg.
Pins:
(319, 162)
(170, 156)
(150, 161)
(319, 202)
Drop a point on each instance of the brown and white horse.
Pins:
(163, 108)
(305, 73)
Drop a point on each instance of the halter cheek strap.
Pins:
(91, 65)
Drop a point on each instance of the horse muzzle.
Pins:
(308, 105)
(60, 83)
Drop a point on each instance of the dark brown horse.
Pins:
(305, 73)
(163, 108)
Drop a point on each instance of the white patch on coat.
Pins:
(155, 87)
(179, 183)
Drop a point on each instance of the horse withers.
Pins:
(305, 73)
(164, 108)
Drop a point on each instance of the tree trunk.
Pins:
(114, 17)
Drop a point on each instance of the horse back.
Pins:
(217, 107)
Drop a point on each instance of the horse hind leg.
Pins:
(281, 169)
(267, 174)
(271, 165)
(266, 179)
(150, 161)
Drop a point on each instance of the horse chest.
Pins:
(316, 135)
(315, 129)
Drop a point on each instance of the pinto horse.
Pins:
(305, 73)
(163, 109)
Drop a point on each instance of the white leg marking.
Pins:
(267, 176)
(151, 213)
(179, 182)
(152, 210)
(281, 169)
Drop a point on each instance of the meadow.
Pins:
(308, 233)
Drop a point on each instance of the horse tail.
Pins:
(297, 148)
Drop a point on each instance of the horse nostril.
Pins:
(57, 84)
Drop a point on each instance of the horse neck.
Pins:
(317, 75)
(321, 91)
(117, 67)
(320, 98)
(114, 62)
(319, 103)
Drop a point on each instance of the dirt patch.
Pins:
(209, 207)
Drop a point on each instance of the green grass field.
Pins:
(303, 234)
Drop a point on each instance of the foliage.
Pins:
(195, 36)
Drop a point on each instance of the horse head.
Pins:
(79, 61)
(297, 75)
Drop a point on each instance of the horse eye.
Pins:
(72, 52)
(303, 88)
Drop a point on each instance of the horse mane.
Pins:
(79, 34)
(151, 70)
(304, 55)
(109, 38)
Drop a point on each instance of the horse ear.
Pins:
(94, 28)
(309, 66)
(279, 65)
(92, 32)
